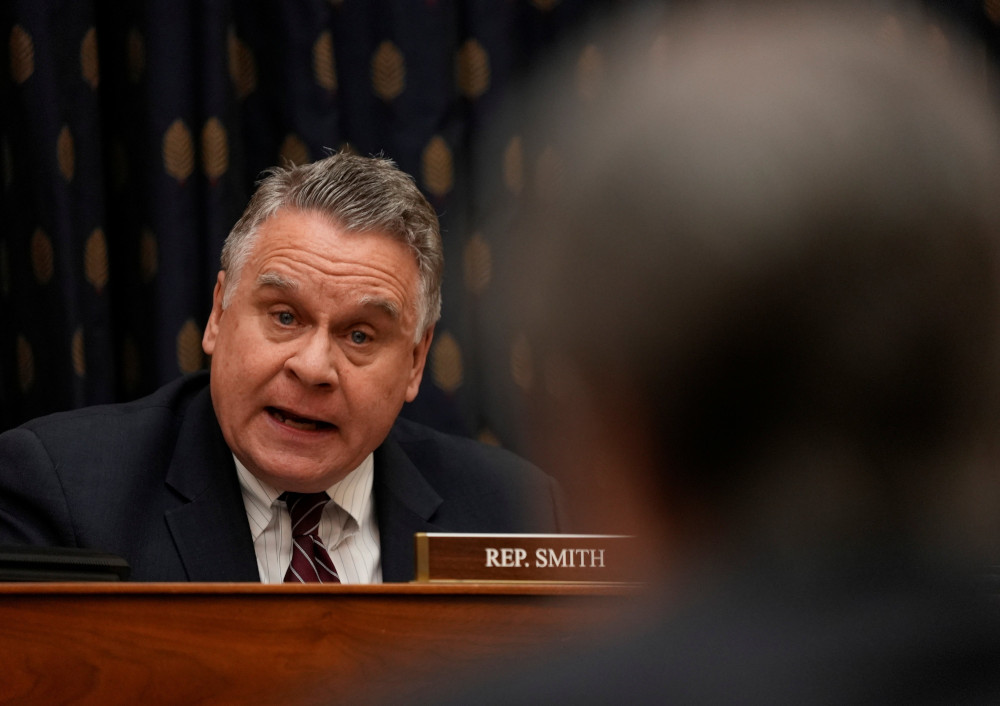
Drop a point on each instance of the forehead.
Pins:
(306, 247)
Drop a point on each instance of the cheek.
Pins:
(366, 386)
(242, 357)
(384, 382)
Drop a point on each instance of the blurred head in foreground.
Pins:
(766, 300)
(767, 291)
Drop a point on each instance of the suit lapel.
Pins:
(404, 503)
(210, 529)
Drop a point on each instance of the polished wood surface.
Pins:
(250, 643)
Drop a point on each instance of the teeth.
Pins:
(306, 426)
(301, 424)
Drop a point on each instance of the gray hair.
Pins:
(809, 253)
(362, 194)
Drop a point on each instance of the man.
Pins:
(322, 318)
(770, 295)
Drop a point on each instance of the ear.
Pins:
(419, 360)
(212, 327)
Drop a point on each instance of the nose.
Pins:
(313, 361)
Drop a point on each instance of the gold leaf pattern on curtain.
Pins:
(95, 259)
(22, 54)
(293, 150)
(324, 64)
(178, 151)
(992, 8)
(190, 356)
(473, 69)
(89, 64)
(488, 436)
(437, 167)
(214, 149)
(149, 256)
(66, 153)
(25, 364)
(388, 71)
(478, 262)
(42, 258)
(446, 363)
(242, 66)
(135, 55)
(513, 166)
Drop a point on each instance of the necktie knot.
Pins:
(310, 562)
(305, 509)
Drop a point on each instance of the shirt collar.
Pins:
(353, 494)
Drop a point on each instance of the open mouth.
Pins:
(300, 423)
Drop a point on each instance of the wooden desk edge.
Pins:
(384, 589)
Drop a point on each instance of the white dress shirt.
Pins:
(348, 526)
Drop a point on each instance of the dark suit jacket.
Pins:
(154, 482)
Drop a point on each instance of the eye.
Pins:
(285, 318)
(359, 337)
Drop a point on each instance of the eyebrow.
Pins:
(279, 281)
(388, 306)
(273, 279)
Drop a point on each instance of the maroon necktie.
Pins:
(310, 561)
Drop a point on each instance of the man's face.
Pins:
(315, 355)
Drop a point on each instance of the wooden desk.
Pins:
(255, 644)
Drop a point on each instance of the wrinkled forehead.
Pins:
(282, 282)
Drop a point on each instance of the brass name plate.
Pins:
(577, 558)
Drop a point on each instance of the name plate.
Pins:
(549, 558)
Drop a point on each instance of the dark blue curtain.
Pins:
(131, 135)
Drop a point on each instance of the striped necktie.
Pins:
(310, 561)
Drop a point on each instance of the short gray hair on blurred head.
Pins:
(360, 194)
(780, 220)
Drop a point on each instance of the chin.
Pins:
(298, 483)
(302, 478)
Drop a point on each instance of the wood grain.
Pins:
(247, 643)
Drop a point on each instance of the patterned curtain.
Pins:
(131, 135)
